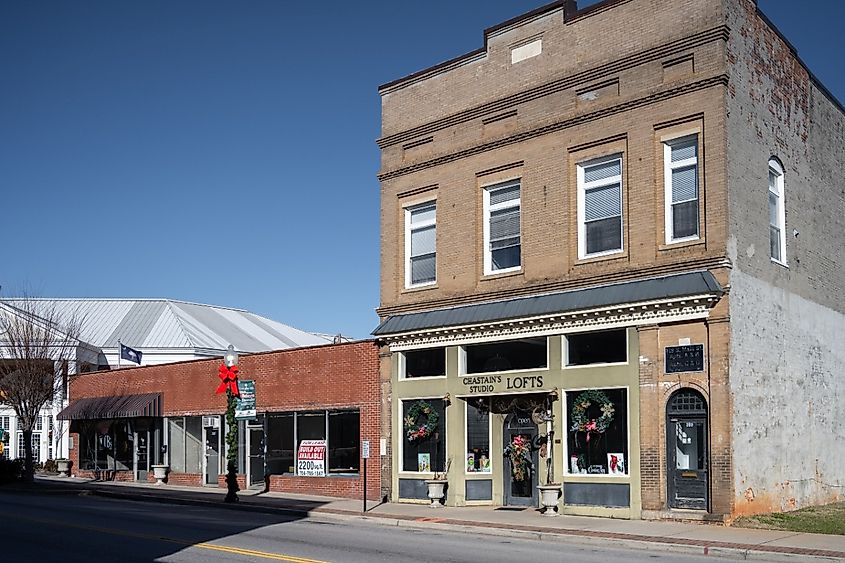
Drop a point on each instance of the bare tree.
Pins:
(39, 346)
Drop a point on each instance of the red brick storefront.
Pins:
(322, 378)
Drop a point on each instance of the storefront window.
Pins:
(425, 454)
(597, 436)
(602, 347)
(185, 444)
(105, 445)
(430, 362)
(176, 444)
(311, 426)
(280, 450)
(344, 434)
(507, 355)
(478, 439)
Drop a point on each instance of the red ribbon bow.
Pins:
(229, 377)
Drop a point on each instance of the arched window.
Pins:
(777, 213)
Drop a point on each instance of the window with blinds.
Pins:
(680, 158)
(777, 213)
(600, 207)
(420, 244)
(502, 242)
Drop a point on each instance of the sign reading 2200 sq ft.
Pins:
(497, 383)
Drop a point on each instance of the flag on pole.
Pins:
(130, 354)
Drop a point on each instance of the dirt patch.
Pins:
(828, 519)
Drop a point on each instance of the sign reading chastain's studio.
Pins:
(685, 358)
(311, 458)
(501, 383)
(245, 404)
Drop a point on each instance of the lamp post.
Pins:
(229, 376)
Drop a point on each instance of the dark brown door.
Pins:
(687, 451)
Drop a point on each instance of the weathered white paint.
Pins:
(788, 384)
(519, 54)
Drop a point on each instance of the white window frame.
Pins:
(422, 225)
(489, 441)
(403, 366)
(777, 169)
(488, 210)
(566, 414)
(401, 434)
(564, 356)
(582, 189)
(668, 168)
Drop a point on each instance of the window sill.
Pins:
(592, 478)
(685, 243)
(602, 257)
(510, 272)
(416, 288)
(779, 263)
(422, 378)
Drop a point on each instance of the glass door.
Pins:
(212, 449)
(520, 483)
(142, 458)
(688, 463)
(255, 445)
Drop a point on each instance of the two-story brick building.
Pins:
(627, 219)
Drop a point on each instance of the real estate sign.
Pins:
(245, 404)
(311, 458)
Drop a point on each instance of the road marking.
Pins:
(201, 545)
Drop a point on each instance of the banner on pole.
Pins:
(245, 403)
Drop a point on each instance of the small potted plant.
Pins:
(63, 467)
(160, 473)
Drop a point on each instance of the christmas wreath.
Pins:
(416, 429)
(519, 453)
(580, 421)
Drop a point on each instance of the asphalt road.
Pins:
(68, 527)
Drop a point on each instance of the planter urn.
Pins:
(63, 465)
(549, 495)
(436, 491)
(160, 473)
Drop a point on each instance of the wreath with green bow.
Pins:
(416, 429)
(580, 421)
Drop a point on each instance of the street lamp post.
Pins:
(229, 376)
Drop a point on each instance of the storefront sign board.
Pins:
(245, 404)
(311, 458)
(487, 384)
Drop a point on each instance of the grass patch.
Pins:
(828, 519)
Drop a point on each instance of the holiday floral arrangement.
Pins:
(519, 453)
(421, 421)
(580, 420)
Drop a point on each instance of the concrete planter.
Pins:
(436, 491)
(63, 465)
(160, 473)
(549, 495)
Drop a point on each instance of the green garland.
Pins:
(580, 422)
(416, 430)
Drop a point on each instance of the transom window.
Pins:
(429, 362)
(502, 242)
(600, 207)
(680, 158)
(420, 244)
(777, 213)
(507, 355)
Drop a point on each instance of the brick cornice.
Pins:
(573, 81)
(720, 79)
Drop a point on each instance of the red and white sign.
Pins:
(311, 458)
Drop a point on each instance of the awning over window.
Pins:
(124, 406)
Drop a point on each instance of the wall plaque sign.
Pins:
(684, 358)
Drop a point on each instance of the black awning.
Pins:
(124, 406)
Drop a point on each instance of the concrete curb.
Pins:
(628, 541)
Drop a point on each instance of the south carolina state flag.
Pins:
(130, 354)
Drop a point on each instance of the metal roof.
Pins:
(674, 286)
(169, 324)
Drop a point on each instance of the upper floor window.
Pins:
(420, 239)
(428, 362)
(600, 207)
(680, 158)
(502, 243)
(507, 355)
(777, 213)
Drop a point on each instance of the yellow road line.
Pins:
(201, 545)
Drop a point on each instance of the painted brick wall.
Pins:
(321, 377)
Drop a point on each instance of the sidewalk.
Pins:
(679, 537)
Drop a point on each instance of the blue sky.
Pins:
(224, 152)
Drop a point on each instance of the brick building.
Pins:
(616, 233)
(125, 421)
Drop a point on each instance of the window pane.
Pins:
(526, 353)
(773, 210)
(280, 450)
(425, 363)
(773, 181)
(194, 450)
(685, 219)
(176, 444)
(604, 235)
(602, 171)
(423, 268)
(508, 257)
(504, 224)
(684, 150)
(604, 347)
(311, 426)
(501, 195)
(423, 240)
(478, 440)
(344, 434)
(684, 185)
(604, 202)
(423, 213)
(430, 450)
(597, 452)
(122, 446)
(774, 242)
